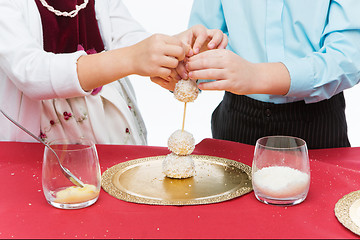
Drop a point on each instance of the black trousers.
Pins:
(243, 119)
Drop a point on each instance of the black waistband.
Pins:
(242, 103)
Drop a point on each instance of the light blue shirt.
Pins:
(317, 40)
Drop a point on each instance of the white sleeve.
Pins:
(125, 29)
(38, 74)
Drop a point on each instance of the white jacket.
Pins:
(28, 74)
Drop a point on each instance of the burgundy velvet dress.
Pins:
(107, 115)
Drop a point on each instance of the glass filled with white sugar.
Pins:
(281, 170)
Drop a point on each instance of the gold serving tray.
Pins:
(346, 210)
(142, 181)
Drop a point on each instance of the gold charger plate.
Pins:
(347, 211)
(142, 181)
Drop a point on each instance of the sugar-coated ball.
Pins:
(186, 91)
(175, 166)
(181, 142)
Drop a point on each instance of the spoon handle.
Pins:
(66, 171)
(24, 129)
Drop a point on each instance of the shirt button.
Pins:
(268, 112)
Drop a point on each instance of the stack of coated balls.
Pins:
(179, 163)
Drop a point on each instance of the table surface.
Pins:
(24, 212)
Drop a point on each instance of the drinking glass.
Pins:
(81, 158)
(281, 170)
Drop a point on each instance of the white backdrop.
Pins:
(162, 112)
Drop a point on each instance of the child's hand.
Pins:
(169, 82)
(237, 75)
(199, 38)
(231, 72)
(157, 55)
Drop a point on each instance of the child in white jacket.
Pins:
(60, 66)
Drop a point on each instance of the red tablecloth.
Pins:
(24, 212)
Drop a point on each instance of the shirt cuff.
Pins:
(64, 77)
(302, 77)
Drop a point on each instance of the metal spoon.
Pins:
(65, 171)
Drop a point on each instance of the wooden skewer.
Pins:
(183, 124)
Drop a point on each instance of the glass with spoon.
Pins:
(80, 153)
(81, 157)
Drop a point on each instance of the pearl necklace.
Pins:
(73, 13)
